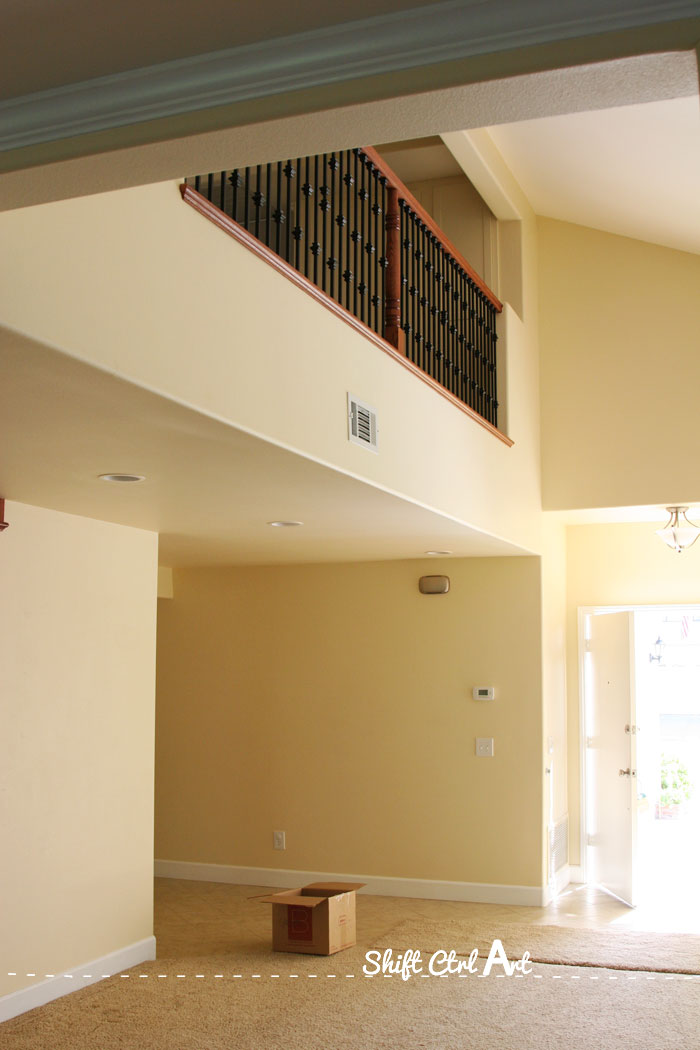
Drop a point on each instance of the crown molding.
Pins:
(446, 31)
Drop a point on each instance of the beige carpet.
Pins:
(551, 1008)
(615, 949)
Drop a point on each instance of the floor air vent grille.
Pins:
(558, 845)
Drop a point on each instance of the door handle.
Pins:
(628, 772)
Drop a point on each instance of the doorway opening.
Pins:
(667, 655)
(640, 676)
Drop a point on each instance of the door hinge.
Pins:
(631, 730)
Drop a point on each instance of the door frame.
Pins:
(600, 610)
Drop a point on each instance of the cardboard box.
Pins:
(318, 919)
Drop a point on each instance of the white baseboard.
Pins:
(426, 889)
(70, 980)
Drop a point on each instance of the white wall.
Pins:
(140, 284)
(77, 652)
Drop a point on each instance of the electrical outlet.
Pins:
(279, 840)
(484, 746)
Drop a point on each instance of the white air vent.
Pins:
(362, 423)
(558, 845)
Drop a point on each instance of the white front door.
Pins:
(611, 774)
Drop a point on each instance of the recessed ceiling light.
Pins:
(122, 477)
(438, 554)
(284, 524)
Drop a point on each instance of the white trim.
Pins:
(598, 610)
(582, 612)
(562, 879)
(576, 876)
(80, 977)
(442, 32)
(383, 886)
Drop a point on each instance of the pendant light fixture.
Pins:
(678, 533)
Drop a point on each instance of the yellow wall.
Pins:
(616, 565)
(77, 651)
(554, 730)
(334, 703)
(459, 210)
(138, 283)
(620, 364)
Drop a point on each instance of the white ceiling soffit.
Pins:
(210, 489)
(449, 30)
(632, 170)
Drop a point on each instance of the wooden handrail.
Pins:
(395, 183)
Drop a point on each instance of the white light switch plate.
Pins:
(484, 746)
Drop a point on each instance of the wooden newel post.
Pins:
(393, 332)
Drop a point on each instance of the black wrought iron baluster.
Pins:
(356, 232)
(210, 187)
(316, 247)
(444, 372)
(348, 274)
(445, 266)
(423, 298)
(222, 190)
(287, 172)
(480, 357)
(488, 318)
(257, 200)
(307, 194)
(383, 261)
(375, 252)
(406, 282)
(198, 183)
(405, 264)
(374, 260)
(427, 264)
(340, 222)
(414, 252)
(268, 210)
(449, 334)
(235, 178)
(449, 291)
(493, 343)
(364, 298)
(278, 214)
(449, 358)
(324, 205)
(332, 261)
(298, 231)
(484, 352)
(470, 386)
(464, 336)
(494, 365)
(457, 273)
(487, 357)
(380, 252)
(436, 306)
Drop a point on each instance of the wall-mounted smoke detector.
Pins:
(362, 423)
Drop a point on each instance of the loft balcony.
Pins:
(345, 227)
